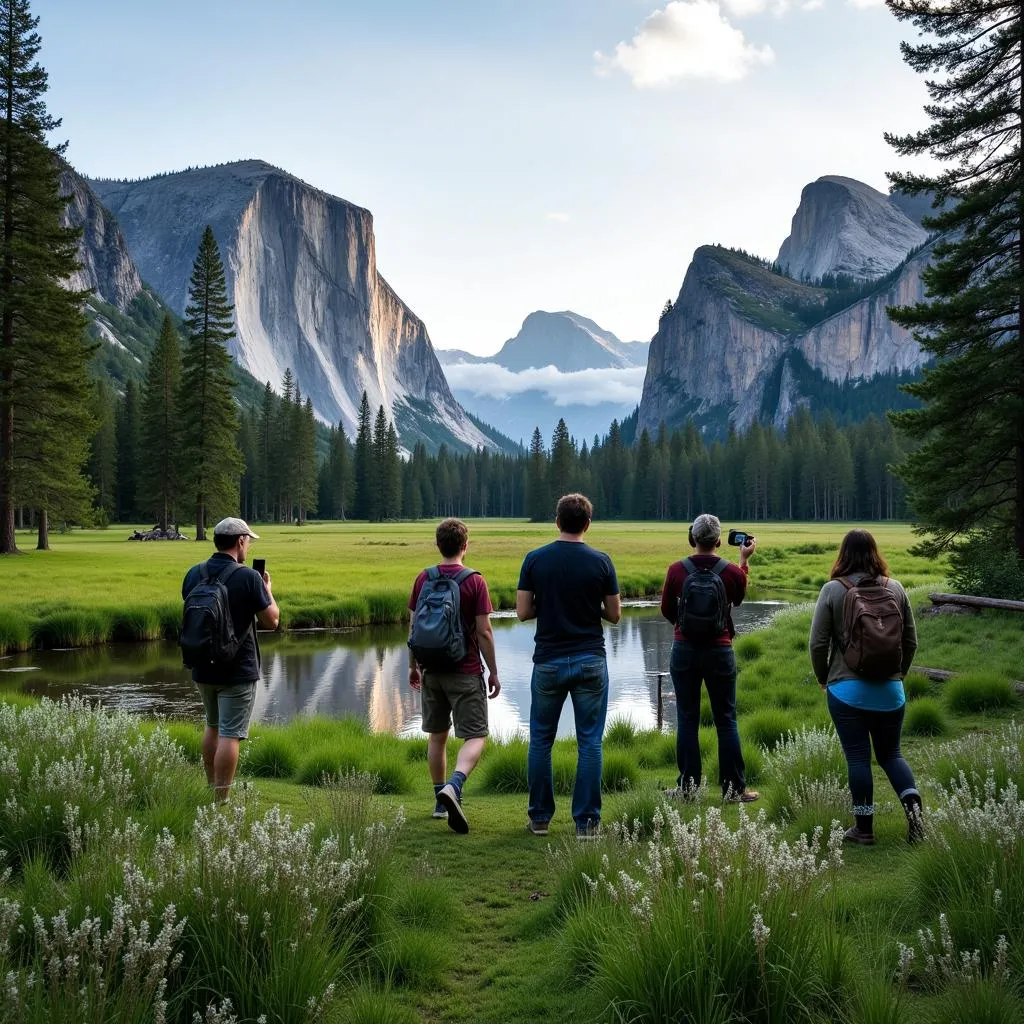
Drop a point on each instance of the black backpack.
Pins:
(437, 638)
(207, 629)
(703, 605)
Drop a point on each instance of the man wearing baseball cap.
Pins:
(702, 654)
(228, 687)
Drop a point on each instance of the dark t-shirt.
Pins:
(247, 595)
(569, 581)
(474, 600)
(734, 577)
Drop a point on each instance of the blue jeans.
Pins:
(584, 679)
(714, 666)
(858, 730)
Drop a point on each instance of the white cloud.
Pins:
(864, 4)
(688, 39)
(812, 5)
(558, 218)
(582, 387)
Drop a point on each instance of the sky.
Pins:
(516, 154)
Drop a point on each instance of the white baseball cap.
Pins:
(232, 527)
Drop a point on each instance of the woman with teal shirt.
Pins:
(866, 712)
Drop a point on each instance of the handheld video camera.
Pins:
(739, 538)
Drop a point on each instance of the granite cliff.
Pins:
(302, 274)
(843, 226)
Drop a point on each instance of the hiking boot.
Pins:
(439, 812)
(537, 828)
(450, 798)
(858, 836)
(588, 830)
(748, 796)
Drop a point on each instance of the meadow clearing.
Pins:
(95, 585)
(326, 892)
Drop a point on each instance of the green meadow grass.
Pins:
(95, 586)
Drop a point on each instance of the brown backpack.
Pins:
(872, 629)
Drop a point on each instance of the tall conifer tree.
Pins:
(44, 392)
(364, 461)
(209, 416)
(160, 469)
(129, 430)
(968, 469)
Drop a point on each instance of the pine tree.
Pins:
(103, 454)
(44, 391)
(129, 431)
(363, 461)
(538, 495)
(968, 469)
(391, 476)
(208, 413)
(563, 458)
(305, 459)
(379, 476)
(160, 471)
(265, 452)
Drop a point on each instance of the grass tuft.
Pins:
(926, 717)
(979, 691)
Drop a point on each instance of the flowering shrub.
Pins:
(705, 922)
(809, 770)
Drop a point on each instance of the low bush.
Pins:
(391, 776)
(768, 727)
(979, 691)
(15, 631)
(620, 733)
(412, 957)
(748, 648)
(979, 566)
(323, 763)
(916, 686)
(269, 755)
(504, 768)
(728, 924)
(71, 627)
(135, 624)
(925, 717)
(618, 771)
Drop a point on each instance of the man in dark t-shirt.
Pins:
(228, 690)
(568, 587)
(696, 662)
(458, 693)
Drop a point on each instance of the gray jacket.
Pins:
(827, 631)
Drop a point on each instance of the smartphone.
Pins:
(260, 564)
(738, 538)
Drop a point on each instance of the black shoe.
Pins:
(537, 828)
(451, 801)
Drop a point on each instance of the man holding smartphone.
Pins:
(228, 687)
(697, 598)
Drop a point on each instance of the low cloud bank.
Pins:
(582, 387)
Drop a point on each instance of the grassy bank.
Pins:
(95, 586)
(328, 893)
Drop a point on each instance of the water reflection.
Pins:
(361, 672)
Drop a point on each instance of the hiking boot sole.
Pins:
(440, 813)
(457, 820)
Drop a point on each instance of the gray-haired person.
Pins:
(702, 654)
(228, 688)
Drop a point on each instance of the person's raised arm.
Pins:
(821, 638)
(485, 637)
(269, 617)
(526, 605)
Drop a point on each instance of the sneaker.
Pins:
(439, 812)
(855, 835)
(748, 796)
(451, 800)
(537, 828)
(588, 831)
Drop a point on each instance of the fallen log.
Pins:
(978, 602)
(936, 675)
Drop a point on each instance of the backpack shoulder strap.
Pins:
(689, 566)
(433, 573)
(464, 575)
(204, 572)
(847, 584)
(228, 571)
(719, 567)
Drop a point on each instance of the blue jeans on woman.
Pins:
(584, 679)
(859, 729)
(715, 666)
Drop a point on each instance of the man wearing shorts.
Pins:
(459, 694)
(228, 690)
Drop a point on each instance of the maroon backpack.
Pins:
(872, 629)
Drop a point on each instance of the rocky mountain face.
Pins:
(843, 226)
(302, 275)
(744, 343)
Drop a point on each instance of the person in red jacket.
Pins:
(707, 658)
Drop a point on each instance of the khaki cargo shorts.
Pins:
(453, 695)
